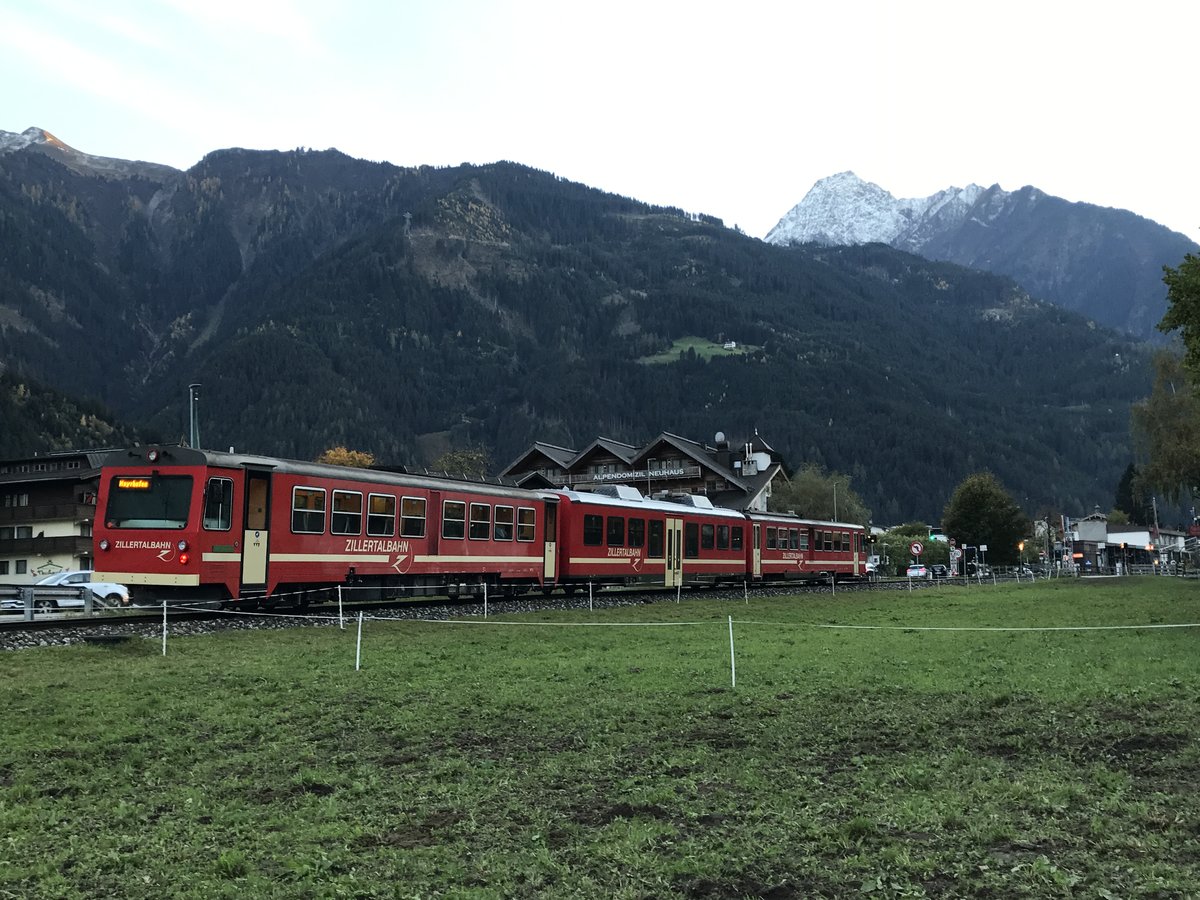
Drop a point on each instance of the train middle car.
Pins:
(789, 547)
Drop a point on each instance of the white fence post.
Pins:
(341, 618)
(485, 600)
(732, 658)
(358, 649)
(164, 628)
(589, 596)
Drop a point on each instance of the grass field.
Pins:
(705, 349)
(541, 756)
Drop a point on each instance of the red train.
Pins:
(183, 524)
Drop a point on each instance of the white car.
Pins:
(919, 570)
(107, 593)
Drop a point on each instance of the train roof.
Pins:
(172, 455)
(789, 518)
(629, 501)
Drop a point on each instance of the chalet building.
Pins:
(735, 478)
(47, 507)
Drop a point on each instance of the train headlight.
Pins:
(182, 545)
(103, 543)
(152, 456)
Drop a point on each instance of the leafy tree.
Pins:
(1167, 428)
(981, 512)
(471, 462)
(810, 493)
(895, 544)
(341, 456)
(1183, 308)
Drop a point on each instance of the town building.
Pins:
(47, 507)
(732, 477)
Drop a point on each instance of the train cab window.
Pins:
(503, 530)
(153, 501)
(616, 531)
(218, 504)
(347, 513)
(691, 540)
(593, 530)
(707, 537)
(308, 510)
(412, 517)
(654, 539)
(381, 515)
(794, 538)
(735, 538)
(722, 537)
(637, 532)
(454, 519)
(526, 524)
(770, 538)
(481, 521)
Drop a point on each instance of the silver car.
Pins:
(106, 593)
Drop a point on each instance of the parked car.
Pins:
(105, 592)
(919, 570)
(939, 571)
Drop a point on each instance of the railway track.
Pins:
(113, 626)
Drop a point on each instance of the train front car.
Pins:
(164, 525)
(785, 547)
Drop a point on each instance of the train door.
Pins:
(756, 552)
(257, 530)
(673, 575)
(550, 537)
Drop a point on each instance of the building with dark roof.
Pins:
(733, 477)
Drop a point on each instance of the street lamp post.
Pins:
(835, 501)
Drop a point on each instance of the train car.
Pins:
(788, 547)
(187, 524)
(620, 537)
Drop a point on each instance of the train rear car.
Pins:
(784, 547)
(623, 538)
(183, 524)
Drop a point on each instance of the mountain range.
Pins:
(323, 300)
(1103, 263)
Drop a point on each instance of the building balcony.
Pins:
(46, 512)
(73, 545)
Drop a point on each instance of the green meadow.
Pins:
(1018, 741)
(702, 347)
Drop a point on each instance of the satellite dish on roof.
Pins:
(720, 436)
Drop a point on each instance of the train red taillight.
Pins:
(183, 558)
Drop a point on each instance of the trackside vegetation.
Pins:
(951, 749)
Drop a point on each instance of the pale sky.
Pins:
(732, 109)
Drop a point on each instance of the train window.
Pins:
(593, 530)
(804, 539)
(707, 536)
(381, 515)
(504, 523)
(157, 501)
(412, 517)
(770, 538)
(829, 542)
(454, 519)
(691, 540)
(818, 539)
(722, 537)
(735, 538)
(481, 521)
(308, 510)
(637, 532)
(794, 538)
(218, 504)
(654, 541)
(616, 531)
(526, 524)
(347, 513)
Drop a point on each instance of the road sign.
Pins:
(953, 542)
(916, 548)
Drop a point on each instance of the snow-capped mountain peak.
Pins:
(40, 140)
(844, 209)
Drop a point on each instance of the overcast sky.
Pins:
(731, 109)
